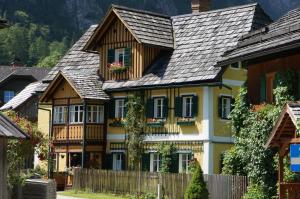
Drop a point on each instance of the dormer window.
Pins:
(120, 55)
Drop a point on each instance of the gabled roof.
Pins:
(80, 69)
(87, 87)
(146, 27)
(200, 42)
(281, 35)
(10, 130)
(22, 97)
(36, 73)
(285, 127)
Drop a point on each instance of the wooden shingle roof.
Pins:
(10, 130)
(281, 35)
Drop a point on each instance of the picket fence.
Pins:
(173, 185)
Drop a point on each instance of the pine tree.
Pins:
(197, 187)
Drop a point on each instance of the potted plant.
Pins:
(185, 121)
(155, 122)
(117, 67)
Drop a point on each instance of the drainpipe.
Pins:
(84, 135)
(50, 171)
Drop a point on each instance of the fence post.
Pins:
(159, 191)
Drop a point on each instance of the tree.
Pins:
(197, 187)
(134, 126)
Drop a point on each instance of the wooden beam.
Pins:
(280, 177)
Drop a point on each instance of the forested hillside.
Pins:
(42, 30)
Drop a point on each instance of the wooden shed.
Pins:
(8, 130)
(283, 135)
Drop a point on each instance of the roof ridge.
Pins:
(217, 10)
(140, 11)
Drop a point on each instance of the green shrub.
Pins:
(255, 192)
(197, 187)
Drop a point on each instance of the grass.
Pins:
(88, 195)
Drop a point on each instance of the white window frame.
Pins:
(226, 106)
(159, 107)
(118, 52)
(8, 95)
(239, 65)
(73, 112)
(120, 108)
(184, 106)
(95, 114)
(117, 161)
(59, 114)
(155, 162)
(183, 158)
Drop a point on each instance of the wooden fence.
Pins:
(174, 185)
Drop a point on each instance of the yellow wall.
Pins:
(62, 162)
(43, 118)
(238, 74)
(218, 149)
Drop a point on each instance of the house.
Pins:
(8, 130)
(14, 79)
(25, 103)
(172, 61)
(269, 51)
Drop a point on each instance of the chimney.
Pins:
(200, 6)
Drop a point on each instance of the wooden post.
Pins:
(280, 177)
(84, 134)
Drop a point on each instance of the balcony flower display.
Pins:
(185, 121)
(117, 122)
(155, 122)
(117, 67)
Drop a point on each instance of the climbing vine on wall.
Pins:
(166, 150)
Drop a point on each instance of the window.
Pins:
(60, 114)
(235, 65)
(184, 159)
(8, 95)
(158, 107)
(95, 114)
(76, 114)
(120, 55)
(187, 105)
(120, 108)
(226, 107)
(154, 162)
(117, 161)
(75, 159)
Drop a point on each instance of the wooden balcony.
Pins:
(289, 190)
(94, 132)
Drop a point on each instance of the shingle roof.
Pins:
(280, 35)
(81, 68)
(147, 27)
(21, 97)
(36, 73)
(9, 130)
(200, 41)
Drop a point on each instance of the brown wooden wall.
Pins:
(118, 36)
(268, 66)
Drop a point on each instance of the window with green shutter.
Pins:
(127, 57)
(111, 107)
(108, 161)
(150, 108)
(178, 106)
(174, 163)
(146, 162)
(263, 88)
(225, 106)
(165, 108)
(110, 56)
(195, 106)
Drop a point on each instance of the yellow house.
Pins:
(172, 61)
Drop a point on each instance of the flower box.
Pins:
(117, 124)
(155, 122)
(117, 67)
(185, 121)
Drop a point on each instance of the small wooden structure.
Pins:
(283, 135)
(8, 130)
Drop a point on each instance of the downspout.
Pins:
(50, 171)
(84, 135)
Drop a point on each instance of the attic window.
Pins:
(119, 55)
(235, 65)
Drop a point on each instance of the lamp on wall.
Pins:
(62, 156)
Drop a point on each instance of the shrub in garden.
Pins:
(197, 187)
(255, 192)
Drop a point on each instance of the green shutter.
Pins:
(150, 108)
(178, 107)
(108, 161)
(146, 162)
(125, 104)
(165, 108)
(263, 90)
(112, 106)
(127, 57)
(174, 163)
(123, 161)
(195, 106)
(110, 56)
(298, 85)
(220, 106)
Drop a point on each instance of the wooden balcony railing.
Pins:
(289, 190)
(75, 132)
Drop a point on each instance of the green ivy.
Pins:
(166, 151)
(134, 126)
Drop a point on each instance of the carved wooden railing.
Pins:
(75, 132)
(289, 190)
